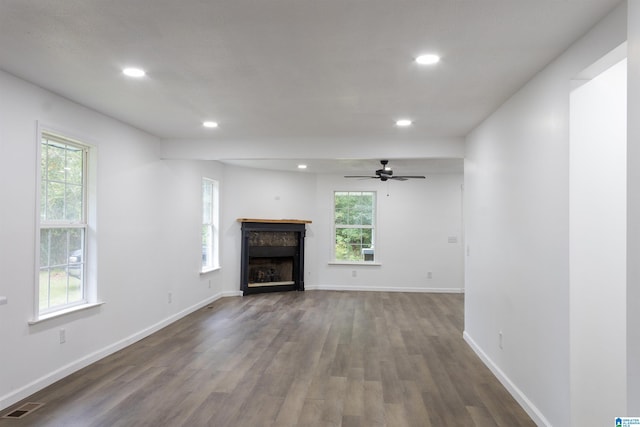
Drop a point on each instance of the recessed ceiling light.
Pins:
(428, 59)
(403, 123)
(210, 124)
(302, 166)
(134, 72)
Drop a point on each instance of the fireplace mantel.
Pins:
(275, 221)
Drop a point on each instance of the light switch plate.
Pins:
(3, 300)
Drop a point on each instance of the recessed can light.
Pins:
(403, 123)
(134, 72)
(210, 124)
(302, 166)
(428, 59)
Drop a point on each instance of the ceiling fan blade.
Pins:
(406, 177)
(361, 176)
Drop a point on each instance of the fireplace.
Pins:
(272, 258)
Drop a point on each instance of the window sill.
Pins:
(209, 270)
(64, 312)
(354, 263)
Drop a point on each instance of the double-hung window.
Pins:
(354, 226)
(210, 258)
(62, 225)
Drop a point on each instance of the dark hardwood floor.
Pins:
(315, 358)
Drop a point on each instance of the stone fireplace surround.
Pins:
(272, 258)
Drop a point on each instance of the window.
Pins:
(210, 259)
(62, 225)
(354, 213)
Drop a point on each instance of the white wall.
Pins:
(256, 193)
(517, 231)
(633, 211)
(597, 247)
(414, 223)
(148, 225)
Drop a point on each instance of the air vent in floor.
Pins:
(23, 410)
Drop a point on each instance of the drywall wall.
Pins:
(418, 235)
(258, 193)
(517, 231)
(633, 210)
(415, 222)
(148, 244)
(597, 247)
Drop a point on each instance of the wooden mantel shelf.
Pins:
(276, 221)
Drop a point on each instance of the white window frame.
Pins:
(86, 223)
(371, 227)
(210, 222)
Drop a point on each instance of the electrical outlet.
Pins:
(500, 340)
(63, 336)
(209, 283)
(169, 297)
(354, 273)
(429, 275)
(3, 300)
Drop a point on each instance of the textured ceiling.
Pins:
(290, 69)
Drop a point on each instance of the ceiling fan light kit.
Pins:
(385, 173)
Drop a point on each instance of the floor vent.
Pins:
(23, 411)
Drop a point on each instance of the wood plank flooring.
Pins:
(316, 358)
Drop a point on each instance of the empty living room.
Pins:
(302, 213)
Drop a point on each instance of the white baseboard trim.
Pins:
(517, 394)
(232, 294)
(384, 289)
(37, 385)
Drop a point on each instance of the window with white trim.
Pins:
(62, 224)
(354, 226)
(210, 258)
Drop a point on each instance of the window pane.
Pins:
(74, 168)
(58, 244)
(55, 163)
(43, 197)
(62, 171)
(73, 203)
(44, 289)
(62, 266)
(341, 209)
(55, 201)
(62, 288)
(354, 208)
(365, 209)
(209, 223)
(350, 243)
(354, 219)
(62, 199)
(206, 246)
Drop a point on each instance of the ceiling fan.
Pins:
(385, 173)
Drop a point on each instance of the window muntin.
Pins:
(63, 224)
(354, 226)
(209, 225)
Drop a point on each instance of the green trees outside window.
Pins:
(354, 219)
(63, 224)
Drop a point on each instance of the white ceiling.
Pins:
(290, 69)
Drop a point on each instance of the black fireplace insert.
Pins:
(272, 258)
